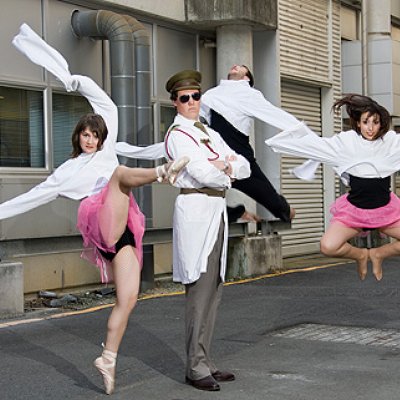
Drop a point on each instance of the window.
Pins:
(21, 128)
(396, 33)
(67, 110)
(349, 23)
(167, 115)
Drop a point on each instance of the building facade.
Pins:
(304, 54)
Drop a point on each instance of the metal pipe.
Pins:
(108, 25)
(143, 115)
(143, 81)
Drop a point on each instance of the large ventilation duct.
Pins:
(143, 116)
(143, 81)
(113, 27)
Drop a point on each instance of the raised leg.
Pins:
(114, 211)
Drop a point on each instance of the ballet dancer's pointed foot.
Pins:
(175, 168)
(171, 170)
(376, 263)
(106, 364)
(362, 264)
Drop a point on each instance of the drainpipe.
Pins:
(108, 25)
(143, 81)
(143, 116)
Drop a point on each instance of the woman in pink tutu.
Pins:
(112, 227)
(364, 157)
(109, 219)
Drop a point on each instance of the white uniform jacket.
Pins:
(197, 217)
(86, 174)
(347, 152)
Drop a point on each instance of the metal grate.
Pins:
(343, 334)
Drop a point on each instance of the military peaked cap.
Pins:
(187, 79)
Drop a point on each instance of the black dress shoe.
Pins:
(207, 383)
(223, 376)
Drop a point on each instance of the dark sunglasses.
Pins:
(186, 97)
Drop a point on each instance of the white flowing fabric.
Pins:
(151, 152)
(347, 152)
(86, 174)
(306, 171)
(40, 53)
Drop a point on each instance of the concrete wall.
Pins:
(254, 255)
(352, 67)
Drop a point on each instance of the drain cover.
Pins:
(342, 334)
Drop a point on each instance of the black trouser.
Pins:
(260, 189)
(257, 186)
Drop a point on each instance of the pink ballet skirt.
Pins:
(387, 216)
(92, 239)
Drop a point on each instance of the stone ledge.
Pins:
(262, 14)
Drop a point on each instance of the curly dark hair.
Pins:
(356, 105)
(96, 124)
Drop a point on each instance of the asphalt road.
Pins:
(316, 334)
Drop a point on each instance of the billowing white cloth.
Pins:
(86, 174)
(40, 53)
(347, 152)
(151, 152)
(239, 103)
(197, 217)
(306, 171)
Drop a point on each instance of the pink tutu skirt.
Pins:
(88, 225)
(344, 212)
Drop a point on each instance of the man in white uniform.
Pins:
(200, 223)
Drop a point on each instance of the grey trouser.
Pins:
(202, 300)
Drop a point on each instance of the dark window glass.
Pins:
(21, 128)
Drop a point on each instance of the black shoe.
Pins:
(223, 376)
(208, 383)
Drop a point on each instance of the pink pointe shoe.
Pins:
(175, 168)
(105, 364)
(171, 170)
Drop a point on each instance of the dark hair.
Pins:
(96, 124)
(249, 75)
(356, 105)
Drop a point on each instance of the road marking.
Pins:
(342, 334)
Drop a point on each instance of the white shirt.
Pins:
(86, 174)
(239, 103)
(347, 152)
(197, 217)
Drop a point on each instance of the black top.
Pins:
(369, 193)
